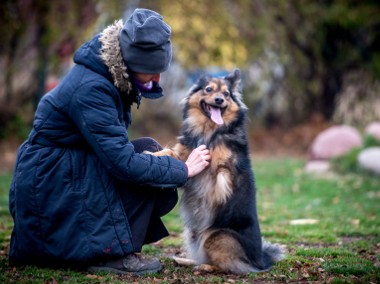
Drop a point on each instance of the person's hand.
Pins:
(198, 160)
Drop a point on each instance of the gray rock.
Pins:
(369, 159)
(373, 129)
(335, 141)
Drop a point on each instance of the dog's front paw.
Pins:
(165, 152)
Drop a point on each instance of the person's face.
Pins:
(145, 78)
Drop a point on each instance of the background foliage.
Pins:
(297, 57)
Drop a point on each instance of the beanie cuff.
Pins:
(148, 61)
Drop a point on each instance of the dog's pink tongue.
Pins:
(216, 115)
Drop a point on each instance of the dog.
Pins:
(218, 206)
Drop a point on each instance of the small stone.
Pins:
(317, 167)
(369, 159)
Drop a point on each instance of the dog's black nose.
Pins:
(219, 100)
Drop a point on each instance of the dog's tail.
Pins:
(272, 253)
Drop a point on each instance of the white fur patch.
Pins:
(222, 189)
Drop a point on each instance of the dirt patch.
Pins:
(292, 141)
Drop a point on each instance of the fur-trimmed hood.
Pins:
(111, 55)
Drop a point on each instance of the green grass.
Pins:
(342, 247)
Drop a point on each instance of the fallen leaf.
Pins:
(304, 222)
(51, 281)
(93, 276)
(355, 222)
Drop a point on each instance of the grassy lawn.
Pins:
(340, 242)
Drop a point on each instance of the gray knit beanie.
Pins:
(145, 42)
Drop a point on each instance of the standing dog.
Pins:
(218, 205)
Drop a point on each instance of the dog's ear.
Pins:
(200, 84)
(235, 80)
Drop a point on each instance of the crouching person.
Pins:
(83, 194)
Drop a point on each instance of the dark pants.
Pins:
(145, 205)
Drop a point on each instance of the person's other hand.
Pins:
(198, 160)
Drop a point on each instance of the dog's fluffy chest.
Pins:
(212, 188)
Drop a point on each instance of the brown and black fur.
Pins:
(218, 206)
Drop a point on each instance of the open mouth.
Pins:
(213, 112)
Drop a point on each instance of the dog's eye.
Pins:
(208, 89)
(226, 94)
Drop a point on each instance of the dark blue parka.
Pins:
(64, 196)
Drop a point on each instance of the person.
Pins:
(83, 194)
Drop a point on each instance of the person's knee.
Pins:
(146, 144)
(153, 144)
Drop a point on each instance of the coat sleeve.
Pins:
(93, 109)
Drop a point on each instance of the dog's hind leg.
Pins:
(224, 251)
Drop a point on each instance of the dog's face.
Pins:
(214, 101)
(215, 97)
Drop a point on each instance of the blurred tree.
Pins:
(204, 34)
(294, 54)
(35, 35)
(358, 102)
(317, 43)
(302, 49)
